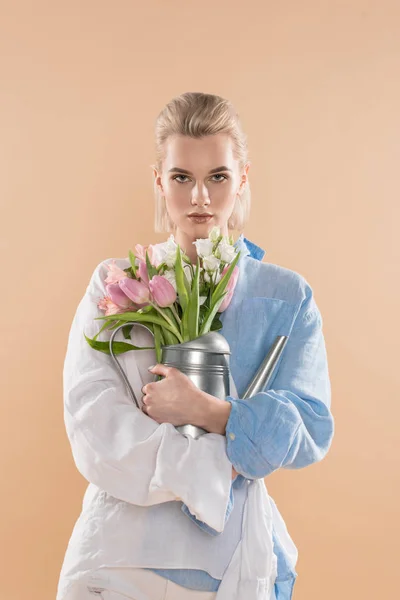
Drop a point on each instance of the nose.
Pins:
(200, 196)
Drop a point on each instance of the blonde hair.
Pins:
(197, 115)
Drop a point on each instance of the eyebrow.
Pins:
(177, 170)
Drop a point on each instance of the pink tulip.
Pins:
(142, 272)
(118, 296)
(230, 288)
(114, 273)
(163, 291)
(135, 290)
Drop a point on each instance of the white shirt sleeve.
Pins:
(122, 450)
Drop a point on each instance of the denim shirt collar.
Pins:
(249, 248)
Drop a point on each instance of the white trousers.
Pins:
(125, 583)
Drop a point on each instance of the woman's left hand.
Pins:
(174, 399)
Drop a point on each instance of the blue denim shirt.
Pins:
(289, 428)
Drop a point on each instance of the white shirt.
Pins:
(137, 468)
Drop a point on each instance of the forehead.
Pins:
(197, 154)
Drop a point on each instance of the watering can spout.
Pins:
(267, 368)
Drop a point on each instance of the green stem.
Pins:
(172, 307)
(176, 331)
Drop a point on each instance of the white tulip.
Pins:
(211, 263)
(166, 251)
(170, 258)
(225, 251)
(204, 247)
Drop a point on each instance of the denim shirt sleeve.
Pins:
(203, 525)
(291, 425)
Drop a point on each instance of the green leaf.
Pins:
(147, 309)
(110, 326)
(140, 318)
(128, 272)
(216, 325)
(132, 258)
(151, 271)
(170, 338)
(221, 286)
(118, 347)
(127, 331)
(193, 308)
(170, 315)
(217, 297)
(180, 277)
(210, 316)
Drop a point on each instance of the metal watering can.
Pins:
(205, 360)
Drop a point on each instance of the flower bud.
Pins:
(162, 290)
(118, 296)
(137, 291)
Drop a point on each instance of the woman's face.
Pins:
(200, 176)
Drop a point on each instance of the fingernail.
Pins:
(152, 367)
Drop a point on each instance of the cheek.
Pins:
(227, 192)
(223, 195)
(175, 197)
(227, 201)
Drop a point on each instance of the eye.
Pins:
(185, 177)
(176, 177)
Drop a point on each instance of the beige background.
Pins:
(317, 87)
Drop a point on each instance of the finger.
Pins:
(160, 369)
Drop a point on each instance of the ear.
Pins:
(157, 178)
(244, 176)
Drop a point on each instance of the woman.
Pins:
(165, 516)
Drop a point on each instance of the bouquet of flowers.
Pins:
(177, 301)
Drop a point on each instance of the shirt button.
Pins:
(232, 436)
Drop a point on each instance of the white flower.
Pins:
(204, 247)
(170, 258)
(214, 233)
(225, 251)
(211, 263)
(166, 251)
(170, 276)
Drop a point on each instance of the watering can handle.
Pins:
(126, 380)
